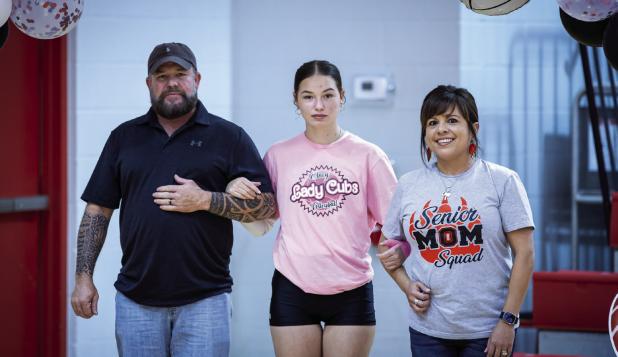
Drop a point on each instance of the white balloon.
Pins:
(5, 11)
(494, 7)
(46, 19)
(589, 10)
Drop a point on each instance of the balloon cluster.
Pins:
(42, 19)
(593, 23)
(590, 22)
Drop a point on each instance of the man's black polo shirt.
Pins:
(170, 258)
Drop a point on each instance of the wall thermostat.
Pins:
(373, 88)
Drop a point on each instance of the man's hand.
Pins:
(90, 239)
(85, 297)
(186, 197)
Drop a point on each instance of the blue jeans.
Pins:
(427, 346)
(198, 329)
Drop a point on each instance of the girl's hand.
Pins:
(243, 188)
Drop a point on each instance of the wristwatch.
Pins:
(509, 319)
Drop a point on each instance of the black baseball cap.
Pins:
(175, 52)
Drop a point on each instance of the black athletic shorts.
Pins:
(291, 306)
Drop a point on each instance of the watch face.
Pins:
(509, 318)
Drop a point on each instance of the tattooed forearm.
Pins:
(261, 207)
(90, 239)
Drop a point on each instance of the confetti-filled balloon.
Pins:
(5, 11)
(494, 7)
(587, 33)
(610, 41)
(44, 19)
(589, 10)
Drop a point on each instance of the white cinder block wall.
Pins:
(111, 48)
(247, 52)
(417, 42)
(517, 67)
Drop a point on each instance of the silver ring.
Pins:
(504, 353)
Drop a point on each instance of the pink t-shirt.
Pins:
(329, 198)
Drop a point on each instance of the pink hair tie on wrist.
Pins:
(402, 244)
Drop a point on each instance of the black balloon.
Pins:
(610, 41)
(4, 33)
(587, 33)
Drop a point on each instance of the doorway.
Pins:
(33, 201)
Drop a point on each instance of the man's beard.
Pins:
(173, 111)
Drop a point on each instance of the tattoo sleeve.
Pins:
(90, 239)
(225, 205)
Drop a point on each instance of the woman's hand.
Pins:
(243, 188)
(500, 343)
(392, 258)
(419, 296)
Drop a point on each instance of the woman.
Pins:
(332, 187)
(464, 216)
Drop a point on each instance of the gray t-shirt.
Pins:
(459, 247)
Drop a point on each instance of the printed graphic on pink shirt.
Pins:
(321, 190)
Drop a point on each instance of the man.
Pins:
(169, 169)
